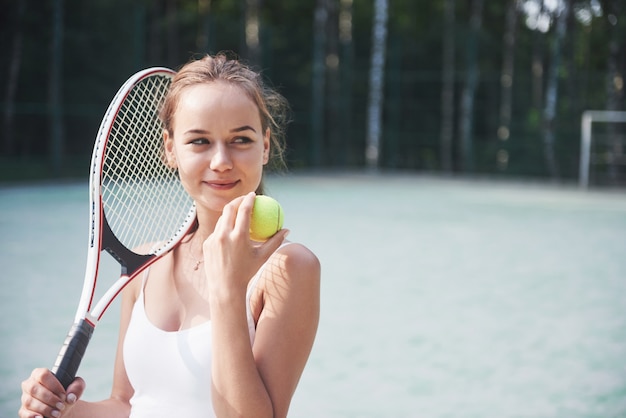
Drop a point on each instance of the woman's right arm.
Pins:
(44, 396)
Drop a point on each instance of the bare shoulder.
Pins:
(130, 293)
(296, 260)
(132, 289)
(292, 270)
(289, 291)
(299, 253)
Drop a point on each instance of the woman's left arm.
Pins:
(288, 322)
(260, 380)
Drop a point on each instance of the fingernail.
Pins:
(60, 406)
(71, 398)
(55, 413)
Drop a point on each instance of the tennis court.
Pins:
(440, 297)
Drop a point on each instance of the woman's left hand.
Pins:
(231, 258)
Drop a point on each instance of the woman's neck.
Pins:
(206, 223)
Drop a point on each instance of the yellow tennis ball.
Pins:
(267, 218)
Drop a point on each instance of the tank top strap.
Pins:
(144, 280)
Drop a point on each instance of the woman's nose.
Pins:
(221, 158)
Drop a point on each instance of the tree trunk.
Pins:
(345, 85)
(506, 83)
(139, 36)
(552, 91)
(12, 81)
(318, 83)
(376, 83)
(332, 75)
(202, 37)
(614, 87)
(537, 67)
(447, 90)
(253, 30)
(155, 39)
(55, 101)
(172, 33)
(469, 89)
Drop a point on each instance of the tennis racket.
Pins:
(138, 208)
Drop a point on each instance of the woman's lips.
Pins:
(222, 184)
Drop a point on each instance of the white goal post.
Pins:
(588, 117)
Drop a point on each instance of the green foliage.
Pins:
(107, 40)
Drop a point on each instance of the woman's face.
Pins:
(217, 144)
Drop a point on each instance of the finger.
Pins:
(38, 401)
(44, 387)
(267, 248)
(229, 214)
(244, 213)
(35, 408)
(50, 381)
(75, 390)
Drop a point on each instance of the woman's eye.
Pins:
(242, 140)
(199, 141)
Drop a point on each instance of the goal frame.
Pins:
(588, 117)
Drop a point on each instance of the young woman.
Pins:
(222, 326)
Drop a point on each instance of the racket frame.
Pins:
(101, 237)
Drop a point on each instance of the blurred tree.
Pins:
(537, 68)
(466, 113)
(156, 23)
(252, 29)
(318, 82)
(204, 25)
(615, 82)
(139, 36)
(171, 16)
(55, 84)
(447, 90)
(346, 58)
(552, 85)
(333, 101)
(506, 82)
(325, 68)
(13, 79)
(376, 80)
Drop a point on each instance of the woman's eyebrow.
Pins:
(244, 128)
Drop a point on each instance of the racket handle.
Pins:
(72, 352)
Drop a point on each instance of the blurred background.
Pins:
(472, 87)
(436, 151)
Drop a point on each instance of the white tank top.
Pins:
(171, 371)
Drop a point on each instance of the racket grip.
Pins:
(72, 352)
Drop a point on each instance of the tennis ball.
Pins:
(267, 218)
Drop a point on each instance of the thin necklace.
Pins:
(198, 262)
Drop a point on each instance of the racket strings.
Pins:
(143, 199)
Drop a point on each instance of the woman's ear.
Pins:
(266, 146)
(168, 146)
